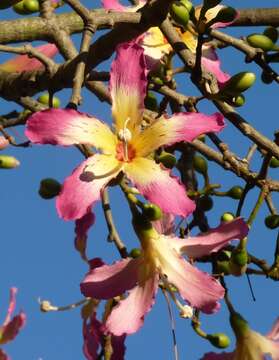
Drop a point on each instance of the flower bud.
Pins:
(235, 192)
(135, 253)
(49, 188)
(44, 99)
(222, 267)
(239, 324)
(8, 162)
(200, 164)
(152, 212)
(237, 101)
(205, 203)
(272, 33)
(219, 340)
(266, 78)
(31, 6)
(179, 13)
(189, 6)
(274, 163)
(272, 221)
(260, 41)
(238, 261)
(227, 217)
(167, 159)
(238, 83)
(143, 227)
(226, 15)
(19, 8)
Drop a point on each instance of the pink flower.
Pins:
(252, 346)
(11, 326)
(126, 150)
(160, 260)
(25, 63)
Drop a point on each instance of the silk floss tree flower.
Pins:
(128, 148)
(250, 345)
(160, 262)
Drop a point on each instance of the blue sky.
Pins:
(38, 255)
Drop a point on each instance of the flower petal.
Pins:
(274, 332)
(180, 127)
(25, 63)
(69, 127)
(118, 347)
(107, 281)
(214, 239)
(128, 86)
(3, 355)
(81, 228)
(92, 337)
(12, 305)
(12, 328)
(198, 288)
(113, 5)
(212, 63)
(81, 189)
(159, 187)
(165, 225)
(128, 316)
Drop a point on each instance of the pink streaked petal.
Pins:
(221, 356)
(107, 281)
(113, 5)
(165, 225)
(213, 240)
(83, 188)
(12, 328)
(3, 142)
(128, 316)
(81, 228)
(274, 332)
(198, 288)
(212, 63)
(212, 13)
(128, 86)
(24, 63)
(92, 337)
(3, 355)
(180, 127)
(69, 127)
(159, 187)
(12, 305)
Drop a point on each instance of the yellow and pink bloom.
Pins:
(128, 148)
(160, 261)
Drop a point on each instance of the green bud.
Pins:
(225, 15)
(274, 163)
(8, 162)
(260, 41)
(238, 261)
(19, 8)
(222, 267)
(272, 221)
(219, 340)
(239, 324)
(189, 6)
(135, 253)
(272, 33)
(152, 212)
(205, 203)
(44, 99)
(238, 100)
(150, 101)
(49, 188)
(227, 217)
(143, 227)
(266, 78)
(239, 83)
(31, 6)
(200, 164)
(235, 192)
(167, 159)
(179, 13)
(157, 80)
